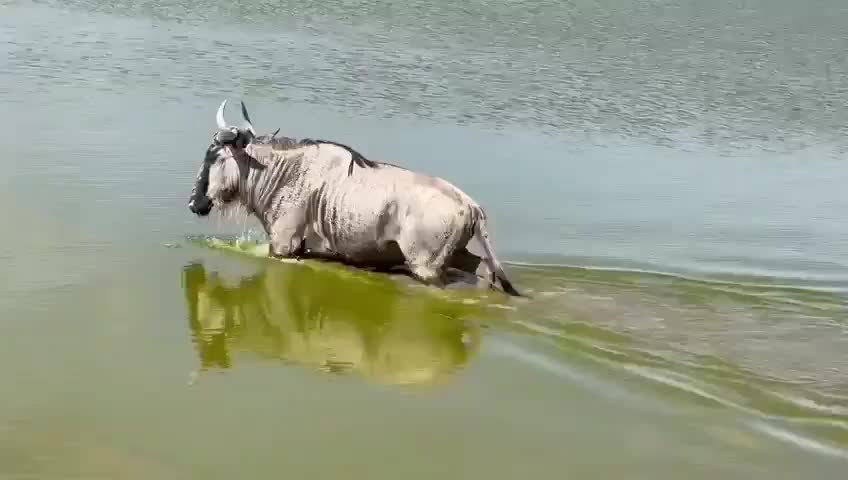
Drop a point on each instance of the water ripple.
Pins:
(730, 76)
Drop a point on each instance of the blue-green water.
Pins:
(665, 177)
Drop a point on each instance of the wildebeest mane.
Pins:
(288, 143)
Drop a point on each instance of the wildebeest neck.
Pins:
(279, 142)
(263, 174)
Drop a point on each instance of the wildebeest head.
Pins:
(218, 178)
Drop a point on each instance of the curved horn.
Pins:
(247, 121)
(219, 117)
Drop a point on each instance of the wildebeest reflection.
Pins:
(326, 320)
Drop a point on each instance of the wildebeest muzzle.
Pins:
(200, 205)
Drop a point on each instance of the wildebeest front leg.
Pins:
(288, 235)
(286, 249)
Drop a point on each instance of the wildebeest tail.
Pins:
(491, 260)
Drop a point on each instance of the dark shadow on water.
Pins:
(331, 322)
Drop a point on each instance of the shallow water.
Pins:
(665, 179)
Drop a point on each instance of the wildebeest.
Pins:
(355, 210)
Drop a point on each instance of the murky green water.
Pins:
(666, 179)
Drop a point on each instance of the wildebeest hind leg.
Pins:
(426, 260)
(427, 275)
(465, 261)
(423, 264)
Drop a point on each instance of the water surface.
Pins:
(666, 179)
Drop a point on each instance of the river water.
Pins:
(666, 178)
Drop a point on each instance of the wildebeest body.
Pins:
(385, 214)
